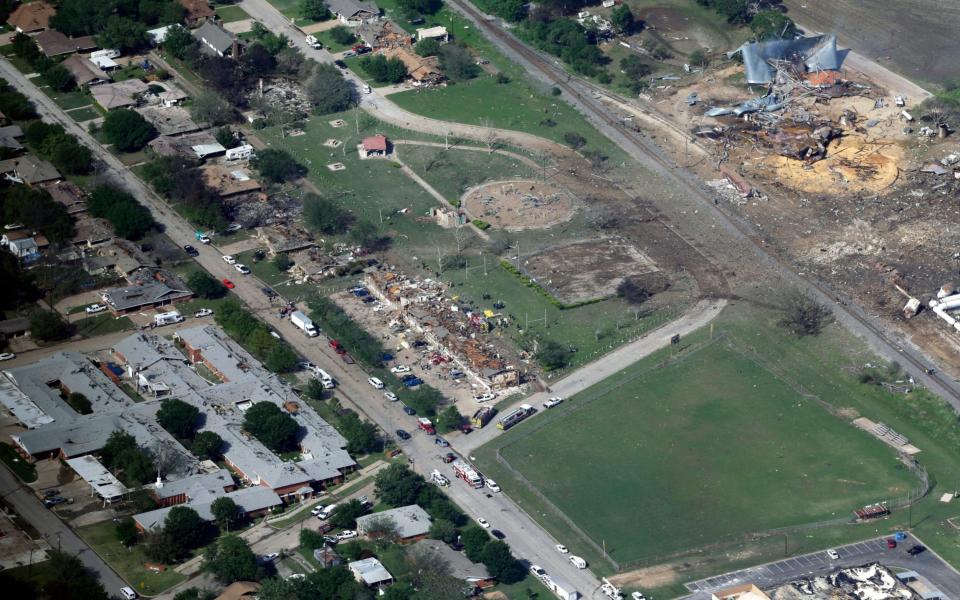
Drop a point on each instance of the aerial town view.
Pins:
(442, 299)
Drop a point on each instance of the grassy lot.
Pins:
(84, 113)
(515, 105)
(522, 590)
(230, 14)
(68, 100)
(824, 368)
(452, 172)
(264, 269)
(128, 563)
(102, 324)
(329, 43)
(355, 63)
(21, 468)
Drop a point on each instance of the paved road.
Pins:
(770, 575)
(55, 531)
(577, 381)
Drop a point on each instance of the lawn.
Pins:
(68, 100)
(330, 44)
(20, 467)
(264, 269)
(102, 324)
(515, 105)
(451, 172)
(230, 14)
(84, 113)
(707, 449)
(128, 563)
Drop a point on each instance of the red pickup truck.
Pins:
(337, 347)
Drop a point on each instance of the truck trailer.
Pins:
(483, 416)
(560, 587)
(468, 474)
(515, 416)
(304, 323)
(167, 318)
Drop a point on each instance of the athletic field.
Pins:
(650, 463)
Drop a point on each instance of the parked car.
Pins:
(234, 227)
(390, 396)
(561, 549)
(228, 284)
(409, 411)
(891, 543)
(497, 534)
(441, 442)
(349, 53)
(412, 382)
(483, 523)
(242, 269)
(204, 238)
(51, 493)
(268, 292)
(191, 251)
(403, 435)
(492, 486)
(229, 259)
(916, 549)
(340, 64)
(347, 358)
(346, 534)
(484, 397)
(316, 510)
(400, 369)
(55, 501)
(95, 308)
(552, 402)
(578, 562)
(7, 356)
(203, 312)
(538, 571)
(375, 382)
(331, 539)
(637, 596)
(449, 457)
(270, 557)
(833, 554)
(128, 593)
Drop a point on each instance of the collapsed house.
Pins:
(817, 53)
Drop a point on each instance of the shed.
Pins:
(375, 145)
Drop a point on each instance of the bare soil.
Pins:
(520, 204)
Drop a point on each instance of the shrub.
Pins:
(481, 225)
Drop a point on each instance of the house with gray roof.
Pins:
(252, 502)
(202, 487)
(354, 13)
(461, 567)
(214, 39)
(28, 169)
(411, 522)
(133, 298)
(84, 71)
(371, 573)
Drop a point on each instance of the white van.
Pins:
(128, 593)
(439, 478)
(326, 512)
(578, 562)
(324, 378)
(375, 383)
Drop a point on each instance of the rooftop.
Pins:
(411, 521)
(53, 43)
(84, 71)
(214, 36)
(229, 181)
(202, 487)
(349, 8)
(30, 169)
(103, 482)
(375, 143)
(169, 120)
(249, 500)
(119, 94)
(135, 296)
(32, 16)
(370, 571)
(461, 567)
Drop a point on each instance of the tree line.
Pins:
(255, 336)
(181, 181)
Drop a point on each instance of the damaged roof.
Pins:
(819, 53)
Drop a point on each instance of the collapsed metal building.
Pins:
(816, 53)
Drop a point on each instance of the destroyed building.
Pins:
(816, 53)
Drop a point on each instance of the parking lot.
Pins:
(777, 573)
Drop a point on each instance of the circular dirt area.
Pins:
(520, 204)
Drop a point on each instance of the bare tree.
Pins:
(804, 315)
(490, 136)
(166, 459)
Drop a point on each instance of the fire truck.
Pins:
(482, 416)
(426, 425)
(515, 416)
(468, 474)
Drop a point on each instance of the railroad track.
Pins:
(598, 112)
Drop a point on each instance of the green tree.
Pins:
(383, 69)
(127, 130)
(227, 138)
(361, 435)
(193, 593)
(178, 417)
(276, 429)
(205, 286)
(129, 218)
(126, 532)
(501, 563)
(443, 530)
(59, 78)
(230, 559)
(277, 166)
(424, 400)
(400, 591)
(457, 63)
(698, 58)
(48, 326)
(342, 35)
(328, 91)
(397, 485)
(184, 527)
(314, 389)
(179, 42)
(552, 355)
(117, 444)
(207, 445)
(71, 157)
(282, 262)
(280, 358)
(621, 19)
(225, 512)
(80, 403)
(345, 514)
(123, 34)
(210, 108)
(474, 540)
(772, 24)
(325, 216)
(70, 580)
(450, 419)
(366, 234)
(314, 10)
(35, 209)
(428, 47)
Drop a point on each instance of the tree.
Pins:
(383, 69)
(70, 580)
(280, 358)
(366, 235)
(805, 316)
(382, 530)
(225, 512)
(552, 355)
(207, 445)
(230, 559)
(325, 216)
(314, 10)
(342, 35)
(474, 540)
(634, 71)
(457, 63)
(129, 218)
(227, 138)
(178, 417)
(345, 514)
(127, 130)
(443, 530)
(621, 19)
(501, 563)
(397, 485)
(698, 58)
(771, 24)
(59, 78)
(161, 547)
(633, 291)
(185, 527)
(80, 403)
(574, 140)
(205, 286)
(282, 262)
(179, 42)
(210, 108)
(71, 157)
(48, 326)
(193, 593)
(35, 209)
(126, 532)
(277, 430)
(123, 34)
(277, 165)
(328, 91)
(314, 389)
(450, 419)
(401, 591)
(80, 17)
(424, 7)
(257, 61)
(361, 435)
(428, 47)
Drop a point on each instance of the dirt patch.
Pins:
(519, 204)
(648, 577)
(589, 269)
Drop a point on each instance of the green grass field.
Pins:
(102, 324)
(230, 14)
(452, 172)
(330, 44)
(128, 563)
(84, 113)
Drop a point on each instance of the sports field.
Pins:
(657, 461)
